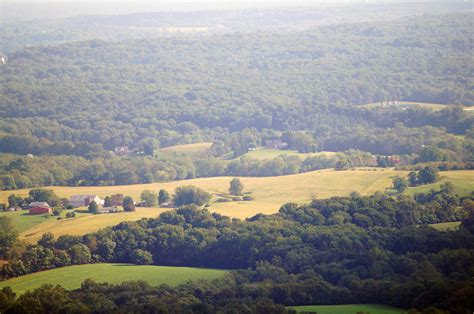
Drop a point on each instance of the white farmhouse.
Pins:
(84, 200)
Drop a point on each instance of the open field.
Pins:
(188, 149)
(269, 193)
(267, 153)
(23, 221)
(447, 226)
(71, 277)
(85, 223)
(407, 104)
(463, 181)
(349, 309)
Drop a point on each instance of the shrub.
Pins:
(222, 200)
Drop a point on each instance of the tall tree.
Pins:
(186, 195)
(163, 197)
(93, 207)
(236, 187)
(128, 204)
(149, 198)
(8, 235)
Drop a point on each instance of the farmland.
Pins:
(85, 223)
(71, 277)
(187, 149)
(348, 309)
(446, 226)
(23, 221)
(463, 181)
(269, 194)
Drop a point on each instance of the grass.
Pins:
(447, 226)
(187, 149)
(72, 277)
(269, 194)
(267, 153)
(85, 223)
(23, 221)
(349, 309)
(463, 181)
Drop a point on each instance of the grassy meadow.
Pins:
(187, 149)
(85, 223)
(463, 181)
(269, 194)
(72, 277)
(23, 221)
(447, 226)
(348, 309)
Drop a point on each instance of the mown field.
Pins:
(188, 149)
(349, 309)
(463, 181)
(72, 277)
(267, 153)
(23, 221)
(85, 223)
(269, 193)
(446, 226)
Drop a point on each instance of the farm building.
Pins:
(38, 204)
(122, 151)
(84, 200)
(38, 210)
(275, 144)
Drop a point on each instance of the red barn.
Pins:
(38, 210)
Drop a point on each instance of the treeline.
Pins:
(353, 249)
(24, 172)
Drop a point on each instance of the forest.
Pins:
(373, 249)
(80, 101)
(380, 93)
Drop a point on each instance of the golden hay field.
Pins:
(86, 223)
(269, 193)
(197, 148)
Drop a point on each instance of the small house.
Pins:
(39, 210)
(122, 151)
(276, 144)
(84, 200)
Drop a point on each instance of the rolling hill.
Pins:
(72, 277)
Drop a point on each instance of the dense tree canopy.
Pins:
(81, 101)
